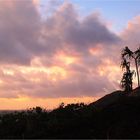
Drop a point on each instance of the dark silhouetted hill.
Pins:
(116, 115)
(108, 99)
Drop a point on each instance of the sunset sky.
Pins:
(54, 51)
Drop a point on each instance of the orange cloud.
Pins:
(97, 50)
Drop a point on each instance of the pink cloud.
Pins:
(65, 55)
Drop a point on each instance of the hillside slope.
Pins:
(108, 99)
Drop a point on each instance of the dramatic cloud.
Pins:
(66, 30)
(60, 54)
(19, 31)
(23, 34)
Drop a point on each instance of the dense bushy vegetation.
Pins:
(120, 119)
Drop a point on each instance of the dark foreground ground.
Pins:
(116, 115)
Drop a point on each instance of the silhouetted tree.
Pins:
(126, 82)
(128, 54)
(38, 109)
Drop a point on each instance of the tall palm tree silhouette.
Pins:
(128, 54)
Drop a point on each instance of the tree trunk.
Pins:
(137, 72)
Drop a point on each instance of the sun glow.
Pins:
(65, 58)
(49, 103)
(57, 73)
(34, 74)
(53, 73)
(8, 72)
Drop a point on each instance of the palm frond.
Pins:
(127, 53)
